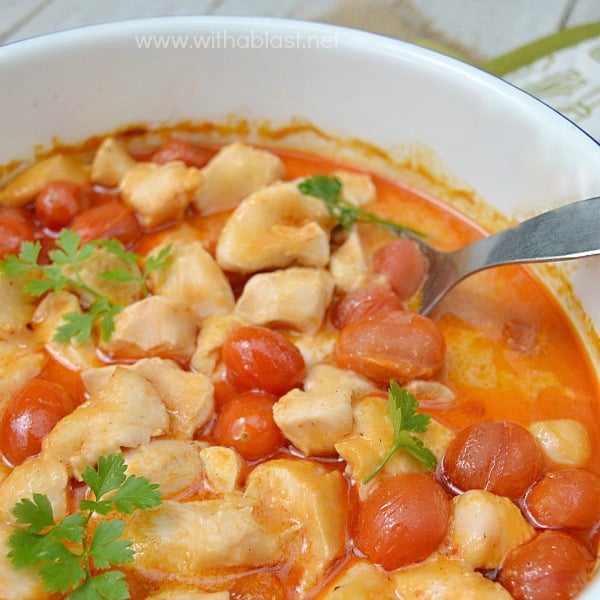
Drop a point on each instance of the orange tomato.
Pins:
(175, 149)
(58, 202)
(108, 220)
(16, 227)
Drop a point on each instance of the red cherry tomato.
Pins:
(499, 456)
(58, 202)
(392, 345)
(246, 424)
(29, 416)
(551, 565)
(108, 220)
(403, 520)
(257, 358)
(16, 227)
(175, 149)
(567, 498)
(404, 265)
(362, 301)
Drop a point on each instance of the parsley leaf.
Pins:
(64, 273)
(329, 189)
(404, 417)
(64, 552)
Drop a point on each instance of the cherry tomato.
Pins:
(566, 498)
(404, 265)
(246, 424)
(257, 358)
(58, 202)
(551, 565)
(391, 345)
(16, 227)
(499, 456)
(108, 220)
(362, 301)
(29, 416)
(175, 149)
(403, 520)
(223, 393)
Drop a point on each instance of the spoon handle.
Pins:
(570, 231)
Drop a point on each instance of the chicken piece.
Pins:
(17, 305)
(202, 537)
(274, 228)
(174, 464)
(315, 418)
(215, 330)
(305, 493)
(126, 413)
(111, 163)
(160, 193)
(316, 347)
(153, 326)
(297, 297)
(348, 264)
(38, 475)
(565, 442)
(17, 584)
(443, 579)
(21, 359)
(25, 186)
(188, 397)
(357, 188)
(193, 279)
(235, 172)
(222, 468)
(484, 528)
(361, 581)
(188, 594)
(46, 320)
(372, 437)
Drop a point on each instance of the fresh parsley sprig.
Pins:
(329, 189)
(72, 557)
(64, 272)
(403, 413)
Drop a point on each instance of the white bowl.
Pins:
(520, 155)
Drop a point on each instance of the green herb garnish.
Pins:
(71, 558)
(329, 189)
(64, 271)
(403, 413)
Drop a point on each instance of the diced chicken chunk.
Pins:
(372, 437)
(160, 193)
(484, 528)
(273, 228)
(111, 163)
(126, 413)
(193, 279)
(564, 442)
(152, 326)
(235, 172)
(215, 330)
(16, 584)
(313, 498)
(222, 468)
(315, 418)
(443, 579)
(188, 397)
(24, 187)
(297, 297)
(17, 305)
(192, 538)
(38, 475)
(174, 464)
(348, 264)
(316, 347)
(357, 188)
(361, 581)
(48, 317)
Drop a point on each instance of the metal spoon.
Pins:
(571, 231)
